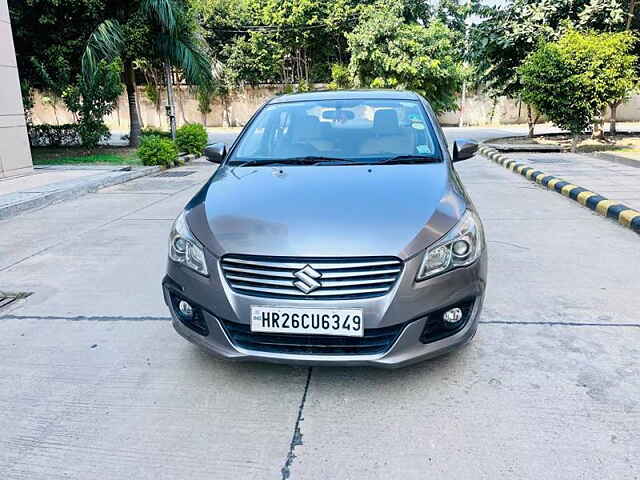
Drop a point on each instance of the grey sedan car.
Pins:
(335, 232)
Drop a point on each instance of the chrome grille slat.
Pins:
(321, 264)
(327, 283)
(337, 278)
(360, 274)
(287, 274)
(269, 273)
(325, 292)
(264, 281)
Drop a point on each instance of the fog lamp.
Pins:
(185, 309)
(452, 316)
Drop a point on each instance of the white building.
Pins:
(15, 155)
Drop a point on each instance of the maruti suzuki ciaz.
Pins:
(334, 232)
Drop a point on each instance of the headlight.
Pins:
(184, 248)
(460, 247)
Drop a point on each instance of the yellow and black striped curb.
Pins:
(624, 215)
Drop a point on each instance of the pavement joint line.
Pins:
(296, 438)
(87, 318)
(83, 232)
(558, 324)
(613, 209)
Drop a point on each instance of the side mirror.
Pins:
(215, 152)
(463, 149)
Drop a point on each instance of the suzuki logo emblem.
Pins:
(306, 282)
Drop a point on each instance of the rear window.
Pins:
(360, 130)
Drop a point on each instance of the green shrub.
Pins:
(192, 138)
(340, 77)
(92, 98)
(156, 150)
(46, 135)
(572, 80)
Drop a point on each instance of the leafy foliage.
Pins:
(49, 37)
(508, 34)
(554, 86)
(192, 138)
(386, 52)
(296, 42)
(46, 135)
(156, 150)
(573, 79)
(91, 99)
(253, 60)
(340, 77)
(152, 31)
(615, 65)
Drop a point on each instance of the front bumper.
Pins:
(408, 303)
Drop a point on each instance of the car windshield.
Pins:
(339, 131)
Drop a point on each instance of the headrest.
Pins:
(306, 127)
(310, 122)
(385, 121)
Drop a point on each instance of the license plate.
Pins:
(308, 321)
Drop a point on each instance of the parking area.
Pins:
(94, 382)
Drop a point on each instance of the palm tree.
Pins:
(158, 30)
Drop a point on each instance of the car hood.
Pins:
(325, 211)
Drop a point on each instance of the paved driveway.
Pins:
(95, 384)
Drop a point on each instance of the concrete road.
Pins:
(94, 383)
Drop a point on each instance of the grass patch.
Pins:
(624, 143)
(80, 156)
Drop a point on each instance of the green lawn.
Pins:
(80, 156)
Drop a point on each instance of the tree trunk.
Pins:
(632, 7)
(612, 123)
(574, 143)
(531, 122)
(597, 133)
(598, 127)
(138, 108)
(226, 122)
(134, 120)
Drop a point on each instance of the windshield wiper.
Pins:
(307, 160)
(409, 159)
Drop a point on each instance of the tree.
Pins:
(573, 79)
(552, 84)
(253, 60)
(298, 39)
(611, 66)
(49, 38)
(508, 34)
(157, 30)
(386, 52)
(91, 99)
(619, 71)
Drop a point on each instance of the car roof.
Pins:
(378, 94)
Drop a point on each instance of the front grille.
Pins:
(375, 341)
(317, 278)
